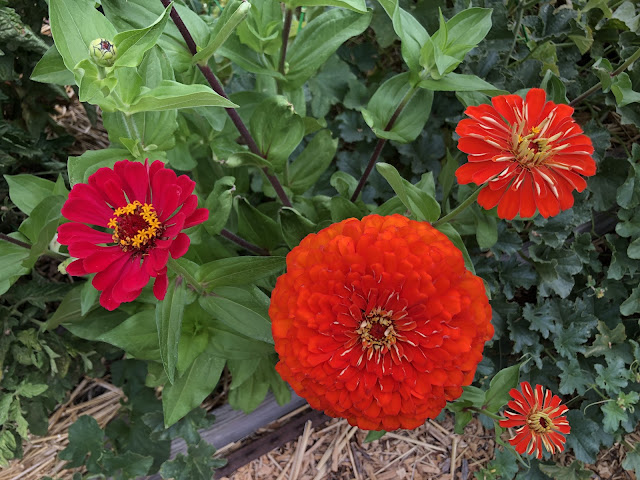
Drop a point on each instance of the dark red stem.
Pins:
(243, 243)
(235, 118)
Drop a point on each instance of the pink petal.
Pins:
(180, 245)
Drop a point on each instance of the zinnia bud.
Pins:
(103, 52)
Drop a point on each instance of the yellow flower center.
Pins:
(377, 331)
(534, 148)
(136, 226)
(540, 422)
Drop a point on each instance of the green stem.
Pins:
(180, 270)
(515, 34)
(615, 73)
(286, 29)
(460, 208)
(486, 412)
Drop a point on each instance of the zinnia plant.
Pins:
(538, 418)
(378, 321)
(140, 211)
(529, 153)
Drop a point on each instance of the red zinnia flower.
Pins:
(538, 416)
(378, 321)
(140, 211)
(531, 153)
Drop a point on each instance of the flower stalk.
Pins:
(285, 40)
(244, 243)
(233, 115)
(598, 85)
(184, 273)
(459, 209)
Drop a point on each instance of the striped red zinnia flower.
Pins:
(530, 153)
(139, 211)
(378, 321)
(538, 418)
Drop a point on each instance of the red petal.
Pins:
(160, 286)
(199, 216)
(489, 198)
(506, 105)
(76, 269)
(527, 200)
(509, 204)
(179, 246)
(477, 146)
(536, 99)
(75, 232)
(102, 259)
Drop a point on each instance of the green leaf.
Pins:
(74, 25)
(456, 239)
(11, 267)
(243, 159)
(573, 378)
(169, 322)
(137, 335)
(27, 191)
(486, 229)
(613, 377)
(133, 44)
(498, 394)
(457, 82)
(41, 226)
(623, 90)
(170, 95)
(632, 461)
(422, 204)
(198, 464)
(242, 309)
(586, 436)
(307, 168)
(192, 387)
(294, 226)
(341, 209)
(234, 12)
(248, 394)
(355, 5)
(632, 304)
(220, 201)
(412, 34)
(238, 271)
(85, 439)
(373, 435)
(572, 472)
(445, 50)
(80, 168)
(613, 416)
(344, 183)
(30, 390)
(385, 102)
(5, 405)
(127, 465)
(256, 227)
(277, 130)
(319, 39)
(51, 69)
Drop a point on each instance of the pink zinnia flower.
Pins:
(140, 211)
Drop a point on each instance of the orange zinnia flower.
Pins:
(539, 418)
(378, 321)
(531, 154)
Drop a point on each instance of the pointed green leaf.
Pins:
(169, 314)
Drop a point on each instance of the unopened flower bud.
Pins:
(103, 52)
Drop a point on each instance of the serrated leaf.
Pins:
(85, 439)
(586, 436)
(575, 471)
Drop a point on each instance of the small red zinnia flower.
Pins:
(140, 211)
(539, 418)
(378, 321)
(531, 154)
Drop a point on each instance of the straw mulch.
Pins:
(337, 451)
(94, 397)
